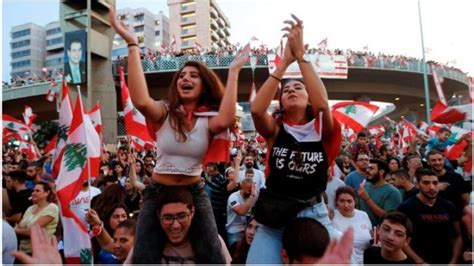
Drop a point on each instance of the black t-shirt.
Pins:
(457, 187)
(373, 255)
(20, 201)
(297, 169)
(411, 193)
(433, 229)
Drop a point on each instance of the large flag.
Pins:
(13, 124)
(135, 122)
(79, 163)
(355, 115)
(65, 118)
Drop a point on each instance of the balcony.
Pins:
(214, 25)
(214, 36)
(221, 33)
(226, 31)
(188, 20)
(220, 22)
(213, 12)
(188, 9)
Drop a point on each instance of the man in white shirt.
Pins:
(258, 176)
(82, 202)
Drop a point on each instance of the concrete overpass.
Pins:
(401, 86)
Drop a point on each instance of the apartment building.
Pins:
(28, 50)
(198, 23)
(54, 47)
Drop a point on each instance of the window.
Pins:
(21, 33)
(53, 62)
(54, 41)
(21, 54)
(20, 43)
(140, 28)
(21, 64)
(185, 43)
(140, 18)
(53, 31)
(157, 33)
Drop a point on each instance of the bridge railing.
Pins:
(172, 63)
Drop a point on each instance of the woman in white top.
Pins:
(346, 216)
(183, 139)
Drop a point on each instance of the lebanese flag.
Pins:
(444, 114)
(253, 92)
(405, 140)
(79, 163)
(438, 81)
(8, 134)
(14, 124)
(173, 43)
(279, 53)
(455, 151)
(29, 150)
(28, 116)
(65, 118)
(52, 94)
(135, 122)
(413, 129)
(94, 115)
(377, 130)
(355, 115)
(51, 147)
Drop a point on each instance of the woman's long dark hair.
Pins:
(211, 96)
(280, 113)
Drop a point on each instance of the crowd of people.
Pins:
(51, 77)
(291, 195)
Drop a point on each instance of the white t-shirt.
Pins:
(82, 203)
(258, 177)
(331, 188)
(235, 223)
(362, 227)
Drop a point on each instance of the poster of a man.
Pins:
(75, 65)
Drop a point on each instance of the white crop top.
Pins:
(182, 158)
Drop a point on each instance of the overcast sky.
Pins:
(389, 26)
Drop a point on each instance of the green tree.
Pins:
(45, 132)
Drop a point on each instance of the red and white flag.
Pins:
(94, 115)
(413, 130)
(173, 43)
(52, 94)
(135, 122)
(355, 115)
(13, 124)
(51, 147)
(79, 163)
(279, 53)
(377, 130)
(65, 118)
(29, 116)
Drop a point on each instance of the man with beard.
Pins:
(239, 205)
(451, 185)
(436, 223)
(376, 197)
(258, 176)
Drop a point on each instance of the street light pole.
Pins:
(425, 71)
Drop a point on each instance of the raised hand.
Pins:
(121, 28)
(294, 34)
(241, 58)
(44, 247)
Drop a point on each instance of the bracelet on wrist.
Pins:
(273, 76)
(133, 44)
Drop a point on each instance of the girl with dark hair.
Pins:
(241, 249)
(303, 141)
(183, 138)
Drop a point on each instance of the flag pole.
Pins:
(85, 134)
(425, 73)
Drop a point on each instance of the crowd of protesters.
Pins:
(277, 197)
(51, 77)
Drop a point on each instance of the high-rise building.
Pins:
(151, 30)
(28, 49)
(198, 23)
(54, 47)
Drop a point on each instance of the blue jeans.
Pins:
(150, 238)
(266, 245)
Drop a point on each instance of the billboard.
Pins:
(75, 57)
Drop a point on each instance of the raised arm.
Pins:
(317, 93)
(226, 115)
(264, 123)
(153, 110)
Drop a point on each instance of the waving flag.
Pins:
(51, 147)
(28, 116)
(79, 163)
(377, 130)
(65, 118)
(94, 115)
(135, 122)
(355, 115)
(52, 94)
(14, 124)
